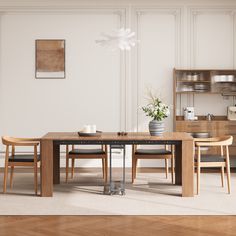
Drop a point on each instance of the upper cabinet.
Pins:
(188, 81)
(190, 84)
(205, 81)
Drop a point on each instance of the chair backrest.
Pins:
(12, 141)
(215, 141)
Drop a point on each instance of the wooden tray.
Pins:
(82, 134)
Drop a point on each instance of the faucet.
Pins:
(209, 116)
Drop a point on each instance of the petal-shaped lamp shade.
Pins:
(122, 39)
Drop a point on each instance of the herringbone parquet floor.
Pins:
(117, 225)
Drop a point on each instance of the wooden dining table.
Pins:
(50, 154)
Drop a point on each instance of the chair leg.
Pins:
(36, 178)
(5, 179)
(67, 169)
(228, 175)
(172, 163)
(72, 168)
(198, 169)
(132, 170)
(11, 177)
(198, 179)
(228, 178)
(172, 169)
(6, 170)
(228, 169)
(40, 169)
(135, 167)
(103, 168)
(166, 165)
(222, 176)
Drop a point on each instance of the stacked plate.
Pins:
(223, 78)
(200, 87)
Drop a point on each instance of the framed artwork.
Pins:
(49, 59)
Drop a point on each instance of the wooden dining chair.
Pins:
(208, 160)
(79, 153)
(12, 159)
(163, 153)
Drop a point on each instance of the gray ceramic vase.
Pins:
(156, 128)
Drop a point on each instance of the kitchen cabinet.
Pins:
(192, 82)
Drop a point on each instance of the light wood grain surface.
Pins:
(50, 146)
(118, 225)
(176, 136)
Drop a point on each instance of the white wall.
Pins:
(100, 87)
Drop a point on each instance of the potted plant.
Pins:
(158, 111)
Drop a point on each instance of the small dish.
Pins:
(97, 134)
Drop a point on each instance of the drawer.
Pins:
(201, 127)
(181, 126)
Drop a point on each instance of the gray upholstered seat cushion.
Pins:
(117, 146)
(86, 151)
(152, 152)
(211, 158)
(23, 158)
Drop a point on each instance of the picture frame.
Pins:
(50, 59)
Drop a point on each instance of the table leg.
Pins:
(46, 168)
(56, 164)
(187, 169)
(123, 190)
(110, 166)
(178, 164)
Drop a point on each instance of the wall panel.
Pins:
(157, 54)
(212, 39)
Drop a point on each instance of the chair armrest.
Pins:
(29, 139)
(216, 141)
(208, 144)
(205, 139)
(26, 143)
(20, 141)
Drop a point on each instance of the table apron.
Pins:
(118, 142)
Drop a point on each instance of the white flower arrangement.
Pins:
(156, 109)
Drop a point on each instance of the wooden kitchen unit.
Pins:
(214, 128)
(190, 83)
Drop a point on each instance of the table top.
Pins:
(110, 136)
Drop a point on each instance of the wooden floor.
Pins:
(118, 225)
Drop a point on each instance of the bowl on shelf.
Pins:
(200, 135)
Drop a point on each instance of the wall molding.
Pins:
(177, 12)
(62, 9)
(193, 13)
(120, 12)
